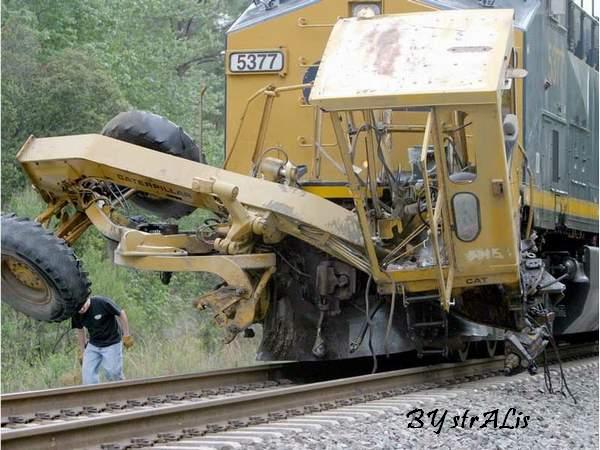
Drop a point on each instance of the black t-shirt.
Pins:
(100, 321)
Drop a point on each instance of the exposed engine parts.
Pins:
(335, 281)
(278, 171)
(524, 347)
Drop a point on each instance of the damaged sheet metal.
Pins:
(448, 57)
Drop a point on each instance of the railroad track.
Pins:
(166, 409)
(24, 405)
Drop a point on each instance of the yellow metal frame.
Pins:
(237, 306)
(444, 275)
(440, 211)
(358, 196)
(270, 93)
(176, 253)
(262, 209)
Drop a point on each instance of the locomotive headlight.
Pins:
(366, 9)
(466, 216)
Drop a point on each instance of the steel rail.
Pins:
(93, 430)
(30, 402)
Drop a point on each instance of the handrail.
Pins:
(269, 92)
(434, 213)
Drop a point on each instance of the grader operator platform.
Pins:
(411, 215)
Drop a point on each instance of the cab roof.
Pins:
(418, 59)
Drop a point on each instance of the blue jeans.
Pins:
(110, 358)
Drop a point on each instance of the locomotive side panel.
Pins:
(561, 117)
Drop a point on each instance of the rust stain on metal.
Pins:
(387, 45)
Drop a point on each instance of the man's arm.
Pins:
(122, 318)
(127, 338)
(81, 339)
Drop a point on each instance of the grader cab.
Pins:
(426, 254)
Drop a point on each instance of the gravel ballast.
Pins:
(553, 421)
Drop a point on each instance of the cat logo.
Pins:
(480, 280)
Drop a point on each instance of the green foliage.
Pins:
(42, 356)
(26, 204)
(67, 68)
(171, 336)
(20, 53)
(74, 79)
(68, 93)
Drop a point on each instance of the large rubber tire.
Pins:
(160, 134)
(41, 276)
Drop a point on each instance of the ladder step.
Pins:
(422, 299)
(433, 352)
(437, 323)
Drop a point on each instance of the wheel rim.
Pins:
(25, 281)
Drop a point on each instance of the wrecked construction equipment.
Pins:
(414, 217)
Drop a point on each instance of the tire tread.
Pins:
(53, 258)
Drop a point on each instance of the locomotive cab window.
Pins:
(460, 157)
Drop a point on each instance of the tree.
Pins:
(67, 92)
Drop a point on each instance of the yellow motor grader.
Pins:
(427, 247)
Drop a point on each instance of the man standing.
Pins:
(105, 323)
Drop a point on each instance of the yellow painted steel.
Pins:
(304, 34)
(479, 116)
(563, 203)
(405, 60)
(331, 191)
(445, 280)
(54, 163)
(495, 248)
